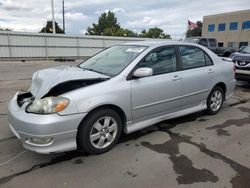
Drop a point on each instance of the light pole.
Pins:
(63, 17)
(53, 17)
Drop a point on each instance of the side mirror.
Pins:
(143, 72)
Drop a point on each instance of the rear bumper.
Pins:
(59, 131)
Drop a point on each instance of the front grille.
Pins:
(23, 98)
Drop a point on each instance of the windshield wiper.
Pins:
(93, 70)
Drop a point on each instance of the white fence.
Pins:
(18, 45)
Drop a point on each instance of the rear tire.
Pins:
(215, 100)
(99, 132)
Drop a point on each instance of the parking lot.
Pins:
(192, 151)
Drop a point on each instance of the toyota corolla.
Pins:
(124, 88)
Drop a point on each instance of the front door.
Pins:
(159, 94)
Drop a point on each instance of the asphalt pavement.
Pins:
(192, 151)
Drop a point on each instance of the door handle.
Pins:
(211, 71)
(176, 78)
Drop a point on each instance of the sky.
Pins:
(169, 15)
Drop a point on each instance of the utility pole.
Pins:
(53, 17)
(63, 17)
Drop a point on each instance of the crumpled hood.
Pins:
(44, 80)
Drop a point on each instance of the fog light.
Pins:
(40, 141)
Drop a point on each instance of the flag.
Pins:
(191, 25)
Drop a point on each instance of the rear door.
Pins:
(159, 94)
(197, 75)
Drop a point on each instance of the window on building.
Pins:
(233, 26)
(222, 27)
(246, 25)
(212, 42)
(211, 27)
(220, 44)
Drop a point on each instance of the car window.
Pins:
(162, 61)
(192, 57)
(212, 42)
(203, 42)
(220, 44)
(208, 60)
(113, 60)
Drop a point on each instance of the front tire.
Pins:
(227, 54)
(99, 132)
(215, 100)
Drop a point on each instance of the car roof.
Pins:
(159, 43)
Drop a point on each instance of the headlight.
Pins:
(48, 105)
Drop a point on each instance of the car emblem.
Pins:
(242, 63)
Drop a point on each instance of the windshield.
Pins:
(113, 60)
(246, 50)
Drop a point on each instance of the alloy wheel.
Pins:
(103, 132)
(216, 100)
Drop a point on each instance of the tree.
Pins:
(125, 33)
(196, 31)
(154, 33)
(5, 29)
(107, 25)
(49, 28)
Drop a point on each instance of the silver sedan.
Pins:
(124, 88)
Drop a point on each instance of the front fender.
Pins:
(89, 98)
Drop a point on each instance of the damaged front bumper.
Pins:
(45, 134)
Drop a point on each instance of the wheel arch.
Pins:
(80, 146)
(223, 86)
(108, 106)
